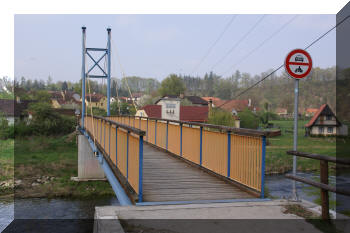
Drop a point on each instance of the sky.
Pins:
(155, 46)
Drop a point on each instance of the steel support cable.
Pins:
(215, 42)
(262, 43)
(123, 74)
(307, 47)
(238, 42)
(116, 88)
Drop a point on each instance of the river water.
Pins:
(41, 208)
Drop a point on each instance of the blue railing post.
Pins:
(228, 153)
(200, 145)
(263, 166)
(139, 122)
(155, 133)
(127, 155)
(140, 167)
(166, 145)
(180, 139)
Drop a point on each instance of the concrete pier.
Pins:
(88, 166)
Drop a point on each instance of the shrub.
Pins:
(219, 117)
(248, 119)
(46, 122)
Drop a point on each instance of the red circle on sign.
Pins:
(287, 64)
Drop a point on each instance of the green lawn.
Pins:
(6, 166)
(277, 161)
(40, 157)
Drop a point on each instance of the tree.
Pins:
(42, 96)
(64, 86)
(172, 85)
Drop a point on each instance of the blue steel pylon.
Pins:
(105, 74)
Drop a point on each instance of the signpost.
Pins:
(298, 65)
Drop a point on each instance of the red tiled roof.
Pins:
(238, 105)
(317, 114)
(207, 98)
(153, 110)
(194, 113)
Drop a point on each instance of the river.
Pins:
(41, 208)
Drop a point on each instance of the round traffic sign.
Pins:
(298, 64)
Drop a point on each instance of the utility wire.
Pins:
(215, 42)
(238, 42)
(307, 47)
(261, 44)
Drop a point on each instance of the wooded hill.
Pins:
(277, 90)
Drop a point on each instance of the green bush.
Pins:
(219, 117)
(46, 122)
(248, 119)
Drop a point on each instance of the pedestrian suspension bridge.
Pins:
(148, 160)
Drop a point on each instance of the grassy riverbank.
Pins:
(277, 161)
(43, 168)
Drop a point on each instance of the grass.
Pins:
(38, 157)
(6, 168)
(277, 161)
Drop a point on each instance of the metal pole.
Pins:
(109, 72)
(83, 75)
(295, 144)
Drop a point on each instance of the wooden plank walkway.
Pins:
(166, 178)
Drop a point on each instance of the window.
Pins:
(330, 129)
(320, 130)
(170, 105)
(328, 117)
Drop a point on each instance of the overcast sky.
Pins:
(157, 45)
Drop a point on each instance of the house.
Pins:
(215, 100)
(183, 113)
(135, 97)
(236, 106)
(64, 99)
(170, 107)
(325, 123)
(96, 101)
(152, 111)
(282, 112)
(15, 109)
(309, 112)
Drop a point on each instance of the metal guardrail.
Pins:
(323, 185)
(123, 145)
(237, 154)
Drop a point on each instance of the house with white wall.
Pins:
(325, 123)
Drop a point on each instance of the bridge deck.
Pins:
(166, 178)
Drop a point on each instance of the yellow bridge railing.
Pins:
(122, 144)
(237, 154)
